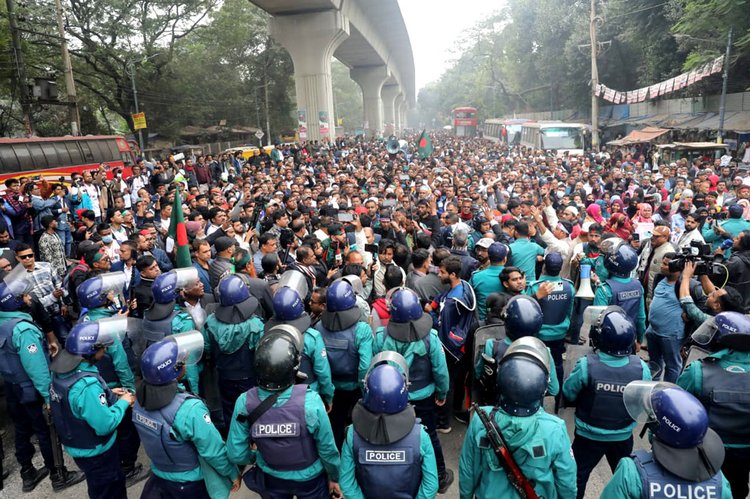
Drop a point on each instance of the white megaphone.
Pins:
(584, 287)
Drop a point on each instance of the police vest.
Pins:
(499, 347)
(75, 432)
(556, 306)
(281, 434)
(11, 368)
(157, 436)
(234, 366)
(306, 363)
(726, 396)
(154, 331)
(420, 367)
(658, 483)
(341, 349)
(392, 470)
(627, 295)
(600, 402)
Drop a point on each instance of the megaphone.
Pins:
(392, 146)
(584, 288)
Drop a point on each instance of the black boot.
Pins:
(135, 473)
(444, 481)
(65, 479)
(32, 476)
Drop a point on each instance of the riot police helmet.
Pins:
(522, 316)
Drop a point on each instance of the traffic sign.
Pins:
(259, 134)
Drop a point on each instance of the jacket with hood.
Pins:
(738, 266)
(455, 317)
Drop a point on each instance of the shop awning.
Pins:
(640, 136)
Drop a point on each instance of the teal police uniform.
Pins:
(541, 448)
(485, 282)
(318, 370)
(603, 298)
(553, 387)
(733, 226)
(523, 255)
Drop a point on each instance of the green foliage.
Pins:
(347, 97)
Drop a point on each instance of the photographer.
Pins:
(715, 233)
(738, 265)
(717, 299)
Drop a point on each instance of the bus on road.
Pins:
(556, 136)
(53, 157)
(507, 131)
(465, 121)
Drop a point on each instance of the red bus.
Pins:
(465, 121)
(54, 157)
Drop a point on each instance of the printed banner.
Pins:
(323, 123)
(302, 123)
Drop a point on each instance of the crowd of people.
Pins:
(345, 305)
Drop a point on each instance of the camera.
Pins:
(697, 252)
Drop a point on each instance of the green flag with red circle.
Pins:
(178, 232)
(424, 146)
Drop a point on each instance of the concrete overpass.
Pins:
(368, 36)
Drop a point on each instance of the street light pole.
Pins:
(131, 70)
(268, 126)
(594, 78)
(70, 85)
(722, 105)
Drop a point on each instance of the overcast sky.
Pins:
(434, 27)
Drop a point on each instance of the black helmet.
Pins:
(277, 360)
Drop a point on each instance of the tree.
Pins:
(347, 97)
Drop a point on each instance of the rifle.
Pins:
(57, 452)
(515, 476)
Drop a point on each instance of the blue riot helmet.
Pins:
(277, 360)
(553, 263)
(88, 337)
(405, 305)
(387, 384)
(612, 331)
(232, 290)
(94, 292)
(497, 252)
(620, 259)
(683, 443)
(340, 296)
(14, 285)
(166, 287)
(726, 330)
(163, 362)
(522, 316)
(522, 383)
(287, 304)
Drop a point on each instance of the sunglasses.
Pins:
(26, 257)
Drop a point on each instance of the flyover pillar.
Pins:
(388, 95)
(397, 112)
(311, 39)
(371, 79)
(402, 115)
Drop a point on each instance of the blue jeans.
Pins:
(67, 239)
(664, 356)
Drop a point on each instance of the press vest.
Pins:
(154, 331)
(627, 295)
(556, 306)
(392, 470)
(420, 368)
(600, 402)
(11, 368)
(342, 352)
(726, 396)
(75, 432)
(155, 429)
(658, 483)
(281, 433)
(234, 366)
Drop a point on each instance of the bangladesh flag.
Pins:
(425, 145)
(178, 232)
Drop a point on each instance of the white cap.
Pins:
(572, 209)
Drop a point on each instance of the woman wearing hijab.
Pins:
(620, 226)
(594, 214)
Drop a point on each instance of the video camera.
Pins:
(697, 252)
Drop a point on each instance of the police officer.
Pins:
(555, 296)
(348, 343)
(86, 412)
(603, 425)
(721, 382)
(487, 281)
(165, 316)
(288, 309)
(24, 368)
(398, 462)
(232, 333)
(175, 427)
(522, 316)
(686, 455)
(282, 428)
(538, 441)
(410, 334)
(620, 289)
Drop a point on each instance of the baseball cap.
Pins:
(223, 243)
(485, 242)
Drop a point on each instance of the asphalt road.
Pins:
(451, 447)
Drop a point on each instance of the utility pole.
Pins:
(594, 78)
(722, 106)
(268, 126)
(131, 70)
(24, 96)
(70, 85)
